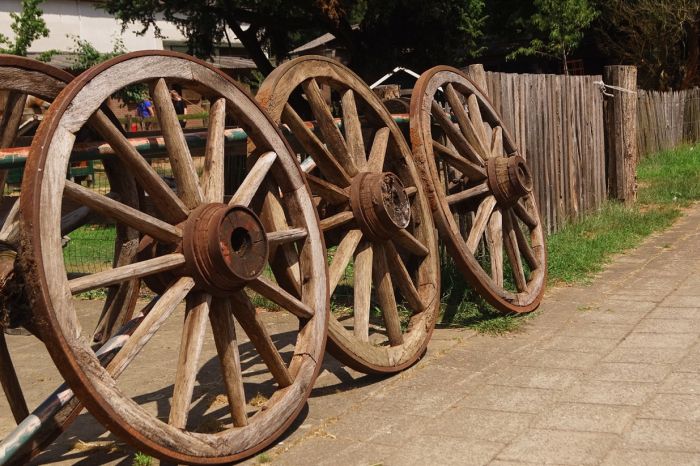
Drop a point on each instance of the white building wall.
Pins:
(83, 18)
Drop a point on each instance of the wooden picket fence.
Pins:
(667, 119)
(558, 121)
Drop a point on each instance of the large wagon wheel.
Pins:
(373, 211)
(480, 189)
(198, 247)
(22, 80)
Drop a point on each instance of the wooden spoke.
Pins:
(341, 258)
(377, 153)
(465, 124)
(525, 216)
(523, 244)
(410, 191)
(513, 252)
(254, 327)
(497, 142)
(276, 294)
(308, 165)
(75, 219)
(410, 243)
(161, 310)
(362, 290)
(328, 164)
(353, 129)
(108, 207)
(9, 233)
(453, 134)
(126, 272)
(402, 277)
(179, 154)
(483, 214)
(253, 180)
(334, 221)
(326, 125)
(196, 315)
(276, 238)
(213, 174)
(470, 193)
(224, 331)
(477, 120)
(11, 117)
(328, 191)
(10, 383)
(385, 295)
(494, 238)
(165, 200)
(471, 170)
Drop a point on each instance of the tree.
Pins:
(558, 27)
(377, 34)
(28, 25)
(662, 38)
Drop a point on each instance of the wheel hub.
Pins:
(509, 178)
(380, 204)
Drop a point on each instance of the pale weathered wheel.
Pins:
(199, 247)
(480, 189)
(28, 82)
(373, 212)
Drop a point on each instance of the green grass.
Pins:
(142, 459)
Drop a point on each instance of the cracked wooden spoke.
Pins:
(224, 331)
(341, 258)
(513, 252)
(525, 216)
(471, 170)
(523, 244)
(276, 294)
(353, 129)
(11, 118)
(126, 272)
(402, 277)
(213, 174)
(377, 153)
(465, 124)
(181, 162)
(454, 135)
(277, 238)
(362, 290)
(253, 180)
(196, 316)
(497, 142)
(325, 161)
(410, 243)
(111, 208)
(329, 192)
(327, 126)
(470, 193)
(164, 199)
(337, 220)
(255, 328)
(385, 295)
(494, 239)
(483, 214)
(477, 120)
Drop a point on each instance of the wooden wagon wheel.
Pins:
(373, 212)
(199, 247)
(480, 189)
(24, 80)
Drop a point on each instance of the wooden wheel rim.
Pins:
(94, 386)
(422, 105)
(274, 94)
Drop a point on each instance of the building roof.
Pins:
(321, 40)
(66, 61)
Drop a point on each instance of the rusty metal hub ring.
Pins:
(380, 204)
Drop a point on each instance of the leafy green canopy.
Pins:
(28, 25)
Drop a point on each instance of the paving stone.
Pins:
(650, 458)
(674, 325)
(690, 363)
(513, 399)
(587, 417)
(646, 355)
(470, 361)
(559, 447)
(436, 449)
(675, 300)
(556, 359)
(612, 393)
(610, 317)
(534, 377)
(658, 340)
(597, 330)
(497, 426)
(623, 304)
(655, 434)
(681, 382)
(630, 372)
(680, 407)
(692, 313)
(580, 344)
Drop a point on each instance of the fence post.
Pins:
(478, 75)
(621, 133)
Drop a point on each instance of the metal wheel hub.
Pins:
(225, 247)
(509, 178)
(380, 204)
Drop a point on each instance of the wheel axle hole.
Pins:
(241, 241)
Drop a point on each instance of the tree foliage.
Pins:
(27, 25)
(558, 27)
(662, 38)
(377, 34)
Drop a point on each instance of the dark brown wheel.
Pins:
(480, 190)
(384, 276)
(199, 245)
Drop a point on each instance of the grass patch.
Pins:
(142, 459)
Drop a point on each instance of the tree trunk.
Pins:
(251, 43)
(691, 77)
